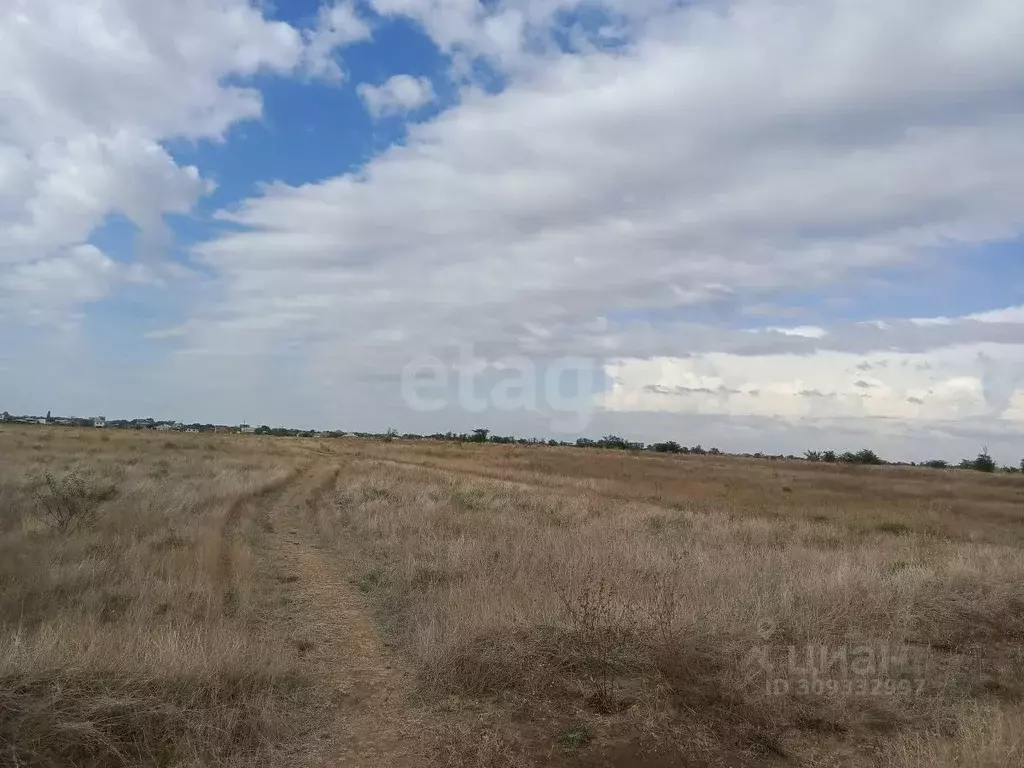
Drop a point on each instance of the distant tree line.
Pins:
(865, 456)
(983, 462)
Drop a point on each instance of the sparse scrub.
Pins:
(73, 499)
(604, 629)
(553, 606)
(574, 738)
(894, 527)
(639, 621)
(983, 736)
(116, 647)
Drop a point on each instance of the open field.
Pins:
(238, 600)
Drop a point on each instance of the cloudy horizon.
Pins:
(766, 225)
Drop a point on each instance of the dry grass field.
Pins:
(186, 600)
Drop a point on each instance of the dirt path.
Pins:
(330, 622)
(235, 518)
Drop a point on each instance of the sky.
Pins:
(765, 225)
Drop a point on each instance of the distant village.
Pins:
(476, 436)
(167, 425)
(101, 422)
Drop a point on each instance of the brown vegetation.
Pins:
(129, 636)
(208, 605)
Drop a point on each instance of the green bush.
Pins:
(865, 456)
(982, 463)
(671, 446)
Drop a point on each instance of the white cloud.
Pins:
(1013, 315)
(48, 291)
(935, 387)
(1010, 315)
(720, 159)
(397, 95)
(75, 182)
(644, 160)
(337, 25)
(804, 331)
(92, 91)
(519, 35)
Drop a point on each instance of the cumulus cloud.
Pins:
(628, 181)
(49, 291)
(516, 36)
(91, 93)
(721, 160)
(337, 25)
(397, 95)
(805, 331)
(952, 387)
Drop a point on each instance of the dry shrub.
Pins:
(558, 607)
(128, 717)
(641, 618)
(117, 644)
(983, 736)
(73, 499)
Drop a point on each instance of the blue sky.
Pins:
(239, 212)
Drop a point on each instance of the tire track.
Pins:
(231, 525)
(369, 725)
(564, 488)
